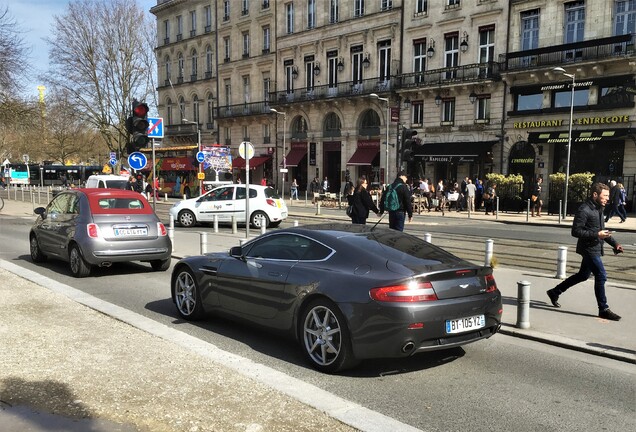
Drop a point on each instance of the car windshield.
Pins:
(270, 193)
(116, 184)
(405, 249)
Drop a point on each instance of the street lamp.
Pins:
(284, 155)
(388, 119)
(567, 165)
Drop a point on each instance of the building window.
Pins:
(179, 27)
(332, 71)
(193, 23)
(226, 10)
(574, 22)
(562, 98)
(169, 111)
(356, 67)
(530, 30)
(195, 109)
(267, 137)
(311, 14)
(166, 32)
(452, 4)
(358, 8)
(194, 63)
(421, 7)
(486, 49)
(309, 73)
(228, 92)
(483, 108)
(529, 101)
(227, 48)
(333, 11)
(417, 113)
(210, 110)
(267, 82)
(419, 58)
(384, 60)
(448, 111)
(246, 44)
(228, 135)
(386, 4)
(266, 39)
(167, 68)
(209, 61)
(289, 78)
(246, 133)
(180, 65)
(289, 22)
(207, 11)
(246, 88)
(245, 9)
(181, 109)
(625, 17)
(451, 54)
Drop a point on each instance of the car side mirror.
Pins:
(237, 252)
(41, 211)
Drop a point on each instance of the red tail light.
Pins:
(161, 229)
(408, 293)
(271, 202)
(491, 285)
(92, 230)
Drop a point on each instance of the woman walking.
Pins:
(362, 203)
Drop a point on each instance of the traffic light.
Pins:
(137, 126)
(408, 144)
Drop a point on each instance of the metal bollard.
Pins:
(22, 193)
(523, 304)
(295, 223)
(242, 241)
(171, 231)
(318, 207)
(528, 212)
(496, 208)
(489, 249)
(203, 241)
(263, 229)
(234, 225)
(560, 209)
(562, 259)
(165, 197)
(216, 223)
(427, 237)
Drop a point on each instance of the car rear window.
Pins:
(270, 193)
(116, 184)
(118, 205)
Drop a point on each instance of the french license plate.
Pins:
(465, 324)
(130, 232)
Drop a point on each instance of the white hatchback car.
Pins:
(265, 206)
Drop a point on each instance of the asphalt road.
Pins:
(499, 384)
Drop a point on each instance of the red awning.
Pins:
(255, 162)
(295, 156)
(364, 156)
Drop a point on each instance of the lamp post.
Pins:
(199, 146)
(284, 155)
(567, 165)
(388, 119)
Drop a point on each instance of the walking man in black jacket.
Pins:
(397, 215)
(589, 228)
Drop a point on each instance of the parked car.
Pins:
(106, 181)
(345, 292)
(98, 227)
(265, 207)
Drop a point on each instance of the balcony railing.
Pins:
(342, 89)
(244, 109)
(450, 75)
(589, 50)
(181, 129)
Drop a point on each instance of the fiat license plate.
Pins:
(465, 324)
(130, 232)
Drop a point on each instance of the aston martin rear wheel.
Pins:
(325, 337)
(187, 296)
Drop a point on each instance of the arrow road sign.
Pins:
(137, 160)
(155, 127)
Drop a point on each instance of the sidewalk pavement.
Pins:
(574, 326)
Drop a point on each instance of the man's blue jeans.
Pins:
(591, 264)
(396, 220)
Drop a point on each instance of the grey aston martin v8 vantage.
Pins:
(345, 292)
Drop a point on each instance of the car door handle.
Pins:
(274, 274)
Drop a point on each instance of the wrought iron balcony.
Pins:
(450, 75)
(339, 90)
(244, 109)
(585, 51)
(181, 129)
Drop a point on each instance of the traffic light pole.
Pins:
(154, 178)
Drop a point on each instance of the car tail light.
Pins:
(92, 230)
(491, 285)
(161, 229)
(407, 293)
(271, 202)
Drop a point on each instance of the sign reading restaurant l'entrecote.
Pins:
(577, 121)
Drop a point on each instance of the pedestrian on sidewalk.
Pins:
(615, 199)
(589, 228)
(362, 203)
(537, 202)
(396, 199)
(471, 191)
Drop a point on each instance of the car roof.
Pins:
(95, 195)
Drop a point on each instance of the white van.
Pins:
(109, 181)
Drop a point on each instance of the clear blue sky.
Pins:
(35, 18)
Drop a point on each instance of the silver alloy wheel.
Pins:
(186, 218)
(185, 294)
(260, 219)
(322, 335)
(79, 268)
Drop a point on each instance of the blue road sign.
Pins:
(200, 157)
(137, 160)
(155, 127)
(113, 161)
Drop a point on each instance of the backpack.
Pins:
(391, 200)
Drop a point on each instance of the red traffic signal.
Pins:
(140, 109)
(137, 126)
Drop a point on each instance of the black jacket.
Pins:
(362, 203)
(588, 221)
(404, 195)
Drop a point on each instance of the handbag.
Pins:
(534, 198)
(486, 196)
(350, 210)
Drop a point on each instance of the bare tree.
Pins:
(99, 56)
(13, 55)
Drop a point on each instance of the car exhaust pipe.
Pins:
(106, 264)
(408, 347)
